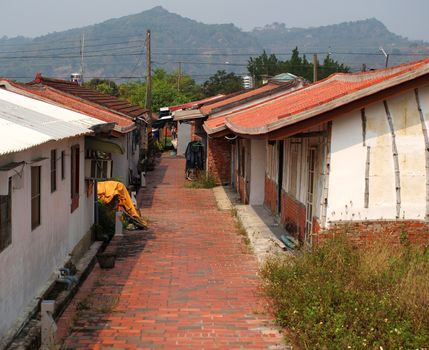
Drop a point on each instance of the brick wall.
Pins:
(293, 216)
(195, 127)
(270, 198)
(365, 231)
(219, 159)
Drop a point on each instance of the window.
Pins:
(74, 178)
(35, 196)
(63, 165)
(6, 219)
(53, 170)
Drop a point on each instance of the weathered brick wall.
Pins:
(293, 216)
(219, 159)
(394, 231)
(270, 198)
(194, 136)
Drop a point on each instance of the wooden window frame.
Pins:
(53, 170)
(63, 165)
(6, 226)
(36, 192)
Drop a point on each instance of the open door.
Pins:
(310, 194)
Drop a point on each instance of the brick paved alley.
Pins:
(189, 282)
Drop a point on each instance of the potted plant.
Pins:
(106, 260)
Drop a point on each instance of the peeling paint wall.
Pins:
(351, 137)
(28, 263)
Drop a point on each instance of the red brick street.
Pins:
(188, 282)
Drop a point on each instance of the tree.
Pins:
(330, 66)
(222, 82)
(263, 65)
(167, 90)
(103, 85)
(300, 66)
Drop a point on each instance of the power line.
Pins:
(70, 47)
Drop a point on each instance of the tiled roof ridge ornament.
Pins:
(38, 79)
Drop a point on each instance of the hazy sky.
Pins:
(36, 17)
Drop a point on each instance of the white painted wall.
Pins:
(33, 256)
(348, 160)
(120, 162)
(257, 178)
(183, 137)
(123, 162)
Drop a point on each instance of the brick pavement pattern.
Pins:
(189, 282)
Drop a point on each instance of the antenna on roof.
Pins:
(386, 55)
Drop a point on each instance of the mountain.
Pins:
(115, 48)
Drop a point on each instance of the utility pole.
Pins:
(314, 67)
(148, 77)
(82, 49)
(179, 76)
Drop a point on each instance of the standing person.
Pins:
(174, 132)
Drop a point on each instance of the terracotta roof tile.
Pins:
(93, 96)
(273, 87)
(338, 89)
(259, 96)
(194, 104)
(124, 124)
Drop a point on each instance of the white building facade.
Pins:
(46, 206)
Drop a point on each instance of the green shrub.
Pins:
(158, 147)
(203, 180)
(340, 297)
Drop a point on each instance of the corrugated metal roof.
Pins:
(282, 77)
(25, 122)
(188, 114)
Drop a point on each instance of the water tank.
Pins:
(247, 82)
(76, 78)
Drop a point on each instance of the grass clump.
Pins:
(340, 297)
(202, 180)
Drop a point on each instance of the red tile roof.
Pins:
(337, 90)
(194, 104)
(123, 124)
(248, 95)
(216, 124)
(110, 102)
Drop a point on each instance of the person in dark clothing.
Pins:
(194, 156)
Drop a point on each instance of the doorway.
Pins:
(280, 149)
(310, 194)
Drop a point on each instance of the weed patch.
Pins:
(203, 180)
(340, 297)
